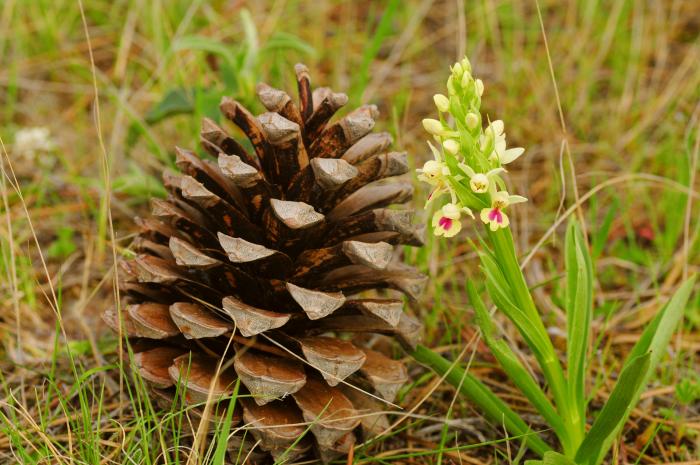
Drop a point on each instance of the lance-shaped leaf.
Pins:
(579, 310)
(513, 367)
(654, 340)
(616, 409)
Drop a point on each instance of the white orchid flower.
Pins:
(480, 182)
(496, 132)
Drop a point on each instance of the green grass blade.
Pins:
(492, 406)
(654, 341)
(219, 457)
(616, 409)
(384, 29)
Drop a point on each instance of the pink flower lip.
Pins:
(445, 223)
(496, 215)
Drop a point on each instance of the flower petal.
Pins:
(498, 126)
(516, 199)
(454, 230)
(511, 155)
(484, 215)
(436, 154)
(505, 221)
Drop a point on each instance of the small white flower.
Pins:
(480, 182)
(433, 173)
(442, 103)
(446, 220)
(451, 146)
(31, 141)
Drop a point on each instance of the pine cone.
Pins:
(259, 266)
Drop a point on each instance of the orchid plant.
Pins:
(470, 156)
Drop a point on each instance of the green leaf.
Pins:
(494, 408)
(599, 237)
(204, 44)
(654, 340)
(555, 458)
(384, 29)
(616, 409)
(64, 244)
(252, 48)
(514, 368)
(138, 184)
(502, 294)
(175, 102)
(579, 309)
(281, 41)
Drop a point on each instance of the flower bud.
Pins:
(466, 65)
(457, 70)
(441, 102)
(450, 86)
(479, 183)
(433, 126)
(471, 120)
(451, 146)
(479, 85)
(466, 77)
